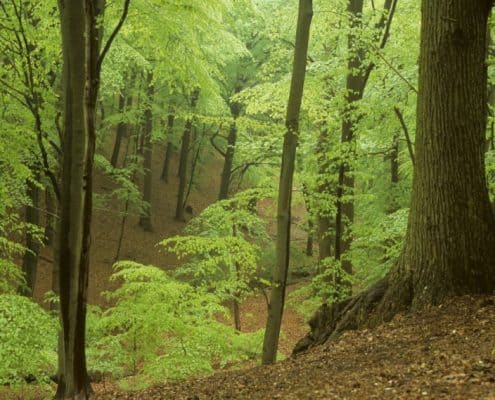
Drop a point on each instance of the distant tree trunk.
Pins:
(229, 153)
(311, 227)
(30, 258)
(277, 299)
(449, 249)
(145, 218)
(310, 238)
(183, 162)
(124, 104)
(357, 80)
(195, 161)
(326, 193)
(51, 210)
(170, 147)
(354, 92)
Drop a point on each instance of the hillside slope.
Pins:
(446, 352)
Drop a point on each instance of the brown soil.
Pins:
(445, 352)
(137, 245)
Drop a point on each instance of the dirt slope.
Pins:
(445, 352)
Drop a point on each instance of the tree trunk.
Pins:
(357, 79)
(229, 153)
(78, 25)
(30, 258)
(449, 248)
(145, 218)
(51, 210)
(170, 146)
(121, 129)
(277, 299)
(450, 242)
(184, 156)
(354, 92)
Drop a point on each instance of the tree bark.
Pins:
(184, 156)
(78, 25)
(450, 242)
(145, 218)
(277, 298)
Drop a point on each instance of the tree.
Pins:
(145, 218)
(82, 60)
(277, 299)
(449, 248)
(184, 156)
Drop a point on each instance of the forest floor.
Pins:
(444, 352)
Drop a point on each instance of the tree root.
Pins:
(329, 322)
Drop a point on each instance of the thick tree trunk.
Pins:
(184, 156)
(30, 258)
(145, 218)
(449, 248)
(277, 298)
(450, 242)
(170, 147)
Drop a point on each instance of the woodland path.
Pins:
(446, 352)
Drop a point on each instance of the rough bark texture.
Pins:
(449, 248)
(277, 299)
(145, 218)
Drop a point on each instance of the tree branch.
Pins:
(112, 37)
(406, 133)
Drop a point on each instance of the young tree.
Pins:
(277, 300)
(449, 248)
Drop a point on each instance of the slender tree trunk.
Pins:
(354, 92)
(30, 258)
(229, 154)
(277, 300)
(51, 210)
(183, 162)
(121, 129)
(78, 27)
(170, 147)
(326, 194)
(357, 79)
(195, 161)
(145, 219)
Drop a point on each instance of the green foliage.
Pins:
(160, 329)
(223, 249)
(28, 337)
